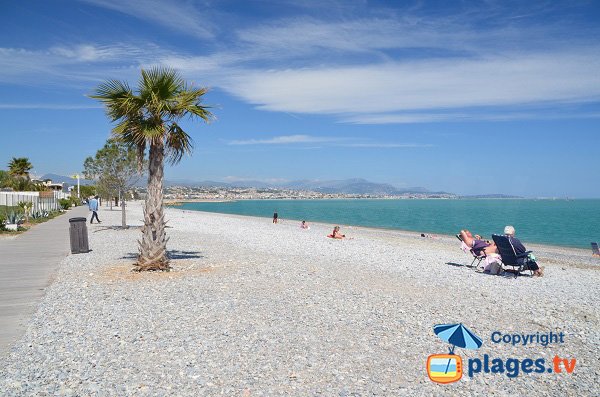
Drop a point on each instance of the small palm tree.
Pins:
(19, 167)
(148, 119)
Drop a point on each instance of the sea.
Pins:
(560, 222)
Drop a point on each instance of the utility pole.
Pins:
(77, 176)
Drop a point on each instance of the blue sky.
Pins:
(467, 97)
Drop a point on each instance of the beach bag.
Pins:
(493, 265)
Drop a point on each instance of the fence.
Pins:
(47, 201)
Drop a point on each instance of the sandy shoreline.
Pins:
(256, 309)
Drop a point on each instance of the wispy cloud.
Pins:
(476, 115)
(386, 145)
(361, 64)
(347, 142)
(285, 140)
(96, 53)
(514, 79)
(183, 17)
(73, 64)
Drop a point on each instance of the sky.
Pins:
(460, 96)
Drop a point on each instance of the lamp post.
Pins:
(77, 176)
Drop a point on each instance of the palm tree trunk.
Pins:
(153, 245)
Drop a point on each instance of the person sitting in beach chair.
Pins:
(304, 225)
(476, 244)
(478, 256)
(336, 233)
(514, 253)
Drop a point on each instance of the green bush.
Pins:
(65, 203)
(2, 221)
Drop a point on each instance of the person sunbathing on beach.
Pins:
(476, 243)
(304, 225)
(336, 233)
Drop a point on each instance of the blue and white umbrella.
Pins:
(457, 335)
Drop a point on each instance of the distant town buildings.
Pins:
(182, 193)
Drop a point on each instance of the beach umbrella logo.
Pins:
(448, 368)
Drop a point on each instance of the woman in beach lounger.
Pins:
(477, 244)
(336, 233)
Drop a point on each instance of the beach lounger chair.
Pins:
(595, 251)
(510, 257)
(476, 257)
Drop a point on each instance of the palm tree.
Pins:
(20, 167)
(148, 119)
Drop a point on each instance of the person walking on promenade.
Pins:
(93, 206)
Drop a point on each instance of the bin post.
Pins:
(78, 236)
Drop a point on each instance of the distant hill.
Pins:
(65, 179)
(344, 186)
(347, 186)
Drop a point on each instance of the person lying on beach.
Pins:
(509, 231)
(477, 244)
(336, 233)
(304, 225)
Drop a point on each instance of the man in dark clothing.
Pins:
(519, 249)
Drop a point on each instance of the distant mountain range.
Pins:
(65, 179)
(345, 186)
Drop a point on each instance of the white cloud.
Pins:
(506, 115)
(300, 36)
(365, 68)
(386, 145)
(95, 53)
(71, 65)
(285, 140)
(182, 16)
(347, 142)
(515, 79)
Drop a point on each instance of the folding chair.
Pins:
(509, 255)
(595, 251)
(476, 257)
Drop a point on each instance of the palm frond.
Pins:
(188, 102)
(178, 143)
(157, 86)
(117, 98)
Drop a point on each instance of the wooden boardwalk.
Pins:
(27, 265)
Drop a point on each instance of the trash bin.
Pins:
(79, 235)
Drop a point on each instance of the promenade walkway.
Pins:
(27, 266)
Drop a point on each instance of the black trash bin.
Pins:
(79, 235)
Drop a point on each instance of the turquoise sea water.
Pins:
(571, 223)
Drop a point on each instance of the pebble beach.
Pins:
(256, 309)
